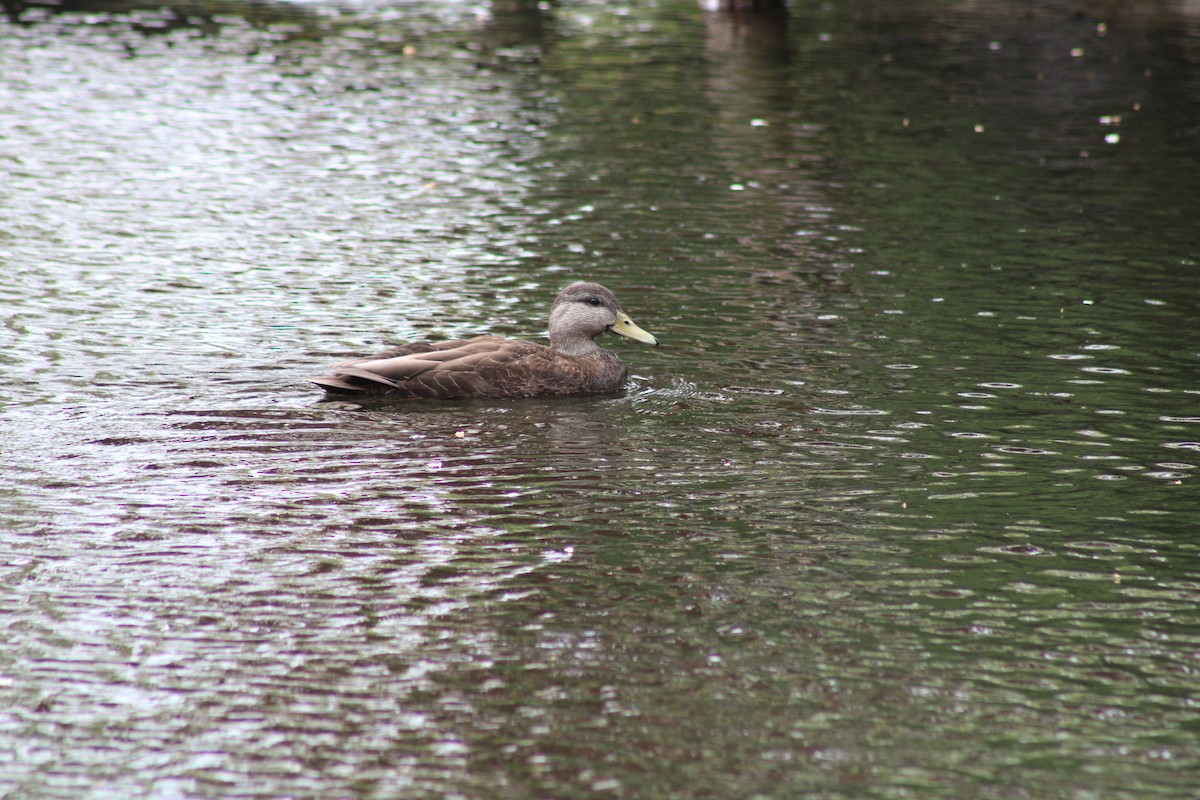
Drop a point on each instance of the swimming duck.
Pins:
(496, 367)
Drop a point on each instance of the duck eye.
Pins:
(595, 301)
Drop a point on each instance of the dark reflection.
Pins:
(754, 24)
(766, 142)
(519, 23)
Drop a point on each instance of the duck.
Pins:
(497, 367)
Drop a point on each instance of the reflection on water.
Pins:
(902, 507)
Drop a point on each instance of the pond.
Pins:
(904, 505)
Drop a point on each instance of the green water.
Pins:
(904, 506)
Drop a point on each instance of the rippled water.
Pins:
(903, 507)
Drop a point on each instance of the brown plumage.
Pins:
(492, 366)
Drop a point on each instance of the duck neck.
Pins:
(574, 345)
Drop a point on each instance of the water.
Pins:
(903, 507)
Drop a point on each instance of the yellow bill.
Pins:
(626, 327)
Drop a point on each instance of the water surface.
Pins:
(903, 506)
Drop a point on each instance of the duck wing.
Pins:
(481, 367)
